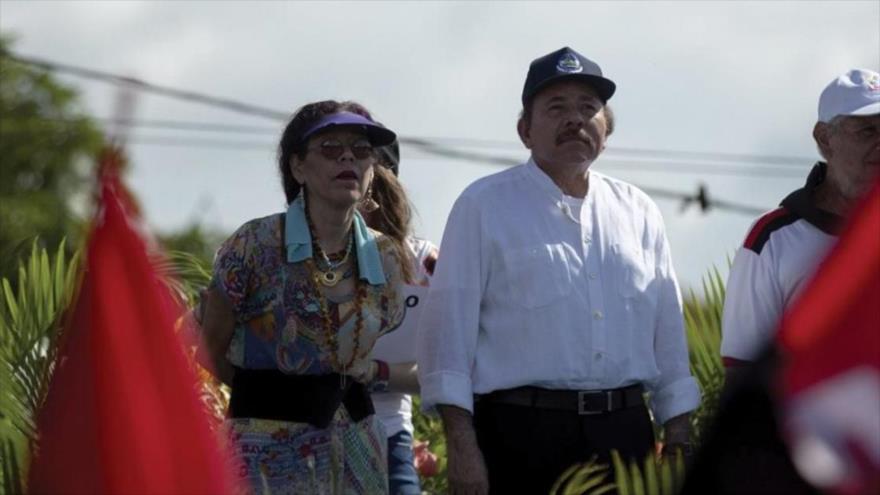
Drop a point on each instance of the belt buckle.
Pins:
(582, 406)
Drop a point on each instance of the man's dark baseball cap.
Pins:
(564, 64)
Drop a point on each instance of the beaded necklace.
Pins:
(330, 334)
(331, 276)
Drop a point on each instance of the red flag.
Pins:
(831, 368)
(122, 414)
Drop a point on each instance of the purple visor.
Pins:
(375, 132)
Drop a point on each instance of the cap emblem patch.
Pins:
(873, 82)
(569, 64)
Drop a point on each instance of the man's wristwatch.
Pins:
(380, 379)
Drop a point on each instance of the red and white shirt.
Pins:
(781, 252)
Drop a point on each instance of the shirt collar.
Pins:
(802, 203)
(298, 242)
(548, 189)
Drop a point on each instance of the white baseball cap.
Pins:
(855, 93)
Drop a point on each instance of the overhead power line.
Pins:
(134, 83)
(643, 162)
(660, 155)
(434, 147)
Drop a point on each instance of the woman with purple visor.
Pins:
(296, 303)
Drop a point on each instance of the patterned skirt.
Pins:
(277, 457)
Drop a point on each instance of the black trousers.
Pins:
(526, 449)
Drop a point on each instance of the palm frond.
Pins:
(185, 274)
(30, 323)
(703, 327)
(589, 477)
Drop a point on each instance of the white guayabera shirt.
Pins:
(536, 288)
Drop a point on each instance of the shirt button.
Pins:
(598, 356)
(592, 276)
(597, 315)
(587, 239)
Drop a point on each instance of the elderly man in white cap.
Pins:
(783, 248)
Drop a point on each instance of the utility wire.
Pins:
(701, 198)
(182, 125)
(663, 155)
(134, 83)
(201, 143)
(422, 145)
(428, 146)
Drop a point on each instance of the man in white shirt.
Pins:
(553, 305)
(784, 247)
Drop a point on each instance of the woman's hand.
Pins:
(364, 371)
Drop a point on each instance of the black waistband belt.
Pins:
(313, 399)
(584, 402)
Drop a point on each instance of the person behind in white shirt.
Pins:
(784, 247)
(554, 305)
(394, 355)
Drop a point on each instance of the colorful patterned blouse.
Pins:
(269, 283)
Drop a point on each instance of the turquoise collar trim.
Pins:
(298, 242)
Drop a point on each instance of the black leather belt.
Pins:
(313, 399)
(583, 402)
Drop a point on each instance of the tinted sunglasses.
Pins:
(332, 149)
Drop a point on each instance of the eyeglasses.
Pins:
(332, 149)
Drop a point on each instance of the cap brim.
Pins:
(869, 109)
(604, 88)
(378, 136)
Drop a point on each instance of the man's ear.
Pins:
(822, 135)
(524, 130)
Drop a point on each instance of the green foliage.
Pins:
(30, 323)
(185, 274)
(197, 241)
(654, 476)
(583, 478)
(430, 429)
(45, 145)
(703, 326)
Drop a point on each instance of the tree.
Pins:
(47, 150)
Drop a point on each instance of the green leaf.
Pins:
(11, 304)
(638, 482)
(621, 475)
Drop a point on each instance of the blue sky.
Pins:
(710, 77)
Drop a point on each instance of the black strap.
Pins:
(313, 399)
(281, 228)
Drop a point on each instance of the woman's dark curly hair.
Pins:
(292, 142)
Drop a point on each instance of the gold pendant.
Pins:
(329, 279)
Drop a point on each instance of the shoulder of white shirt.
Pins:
(499, 179)
(624, 190)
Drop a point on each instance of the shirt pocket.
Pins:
(633, 275)
(537, 275)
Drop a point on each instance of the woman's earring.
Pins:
(368, 204)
